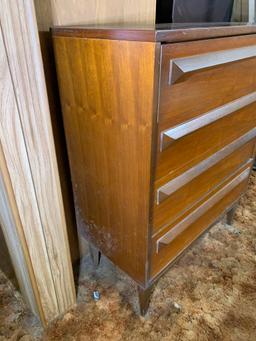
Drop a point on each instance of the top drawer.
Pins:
(198, 77)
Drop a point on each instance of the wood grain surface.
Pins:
(18, 168)
(15, 240)
(211, 87)
(168, 253)
(107, 92)
(179, 201)
(190, 150)
(65, 12)
(51, 12)
(28, 147)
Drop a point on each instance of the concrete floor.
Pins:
(214, 284)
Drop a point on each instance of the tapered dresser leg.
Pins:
(230, 216)
(95, 255)
(144, 299)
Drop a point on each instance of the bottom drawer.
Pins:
(168, 244)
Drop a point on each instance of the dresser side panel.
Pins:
(107, 95)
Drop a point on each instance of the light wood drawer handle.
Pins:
(170, 187)
(186, 65)
(175, 133)
(191, 218)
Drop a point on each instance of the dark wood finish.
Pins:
(117, 100)
(168, 33)
(104, 85)
(144, 296)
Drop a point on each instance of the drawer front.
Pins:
(169, 244)
(199, 77)
(173, 198)
(191, 149)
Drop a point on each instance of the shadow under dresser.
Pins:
(160, 127)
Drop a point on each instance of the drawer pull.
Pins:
(186, 65)
(191, 218)
(175, 133)
(166, 190)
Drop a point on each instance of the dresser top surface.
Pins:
(162, 33)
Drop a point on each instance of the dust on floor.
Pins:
(209, 294)
(16, 321)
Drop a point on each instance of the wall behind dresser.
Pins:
(66, 12)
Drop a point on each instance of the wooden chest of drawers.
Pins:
(160, 129)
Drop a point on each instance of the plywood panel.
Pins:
(65, 12)
(18, 19)
(15, 241)
(240, 11)
(14, 149)
(28, 148)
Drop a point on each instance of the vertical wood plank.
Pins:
(11, 228)
(14, 150)
(27, 141)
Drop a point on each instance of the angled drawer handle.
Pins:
(170, 187)
(175, 133)
(192, 217)
(186, 65)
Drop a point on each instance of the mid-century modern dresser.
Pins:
(160, 126)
